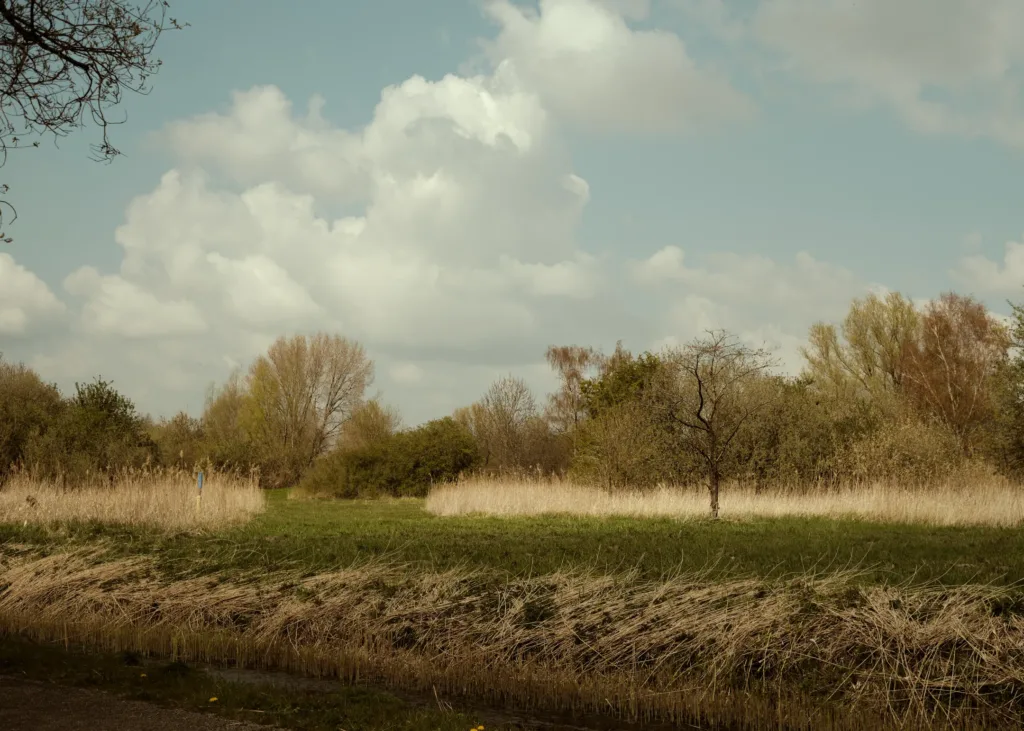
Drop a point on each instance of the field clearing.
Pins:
(558, 612)
(324, 535)
(166, 501)
(992, 503)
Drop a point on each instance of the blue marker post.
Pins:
(199, 496)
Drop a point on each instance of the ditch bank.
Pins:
(817, 652)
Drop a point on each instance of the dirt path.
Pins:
(26, 705)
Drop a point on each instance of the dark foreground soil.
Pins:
(27, 705)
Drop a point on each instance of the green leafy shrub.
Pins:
(95, 432)
(28, 406)
(905, 449)
(179, 441)
(404, 464)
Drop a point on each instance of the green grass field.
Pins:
(319, 536)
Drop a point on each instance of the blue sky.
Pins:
(515, 174)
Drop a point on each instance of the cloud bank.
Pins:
(445, 234)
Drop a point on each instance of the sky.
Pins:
(459, 184)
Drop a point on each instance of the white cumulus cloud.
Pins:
(591, 68)
(464, 251)
(763, 301)
(944, 66)
(987, 277)
(115, 306)
(25, 300)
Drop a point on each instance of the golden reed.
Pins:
(165, 500)
(992, 503)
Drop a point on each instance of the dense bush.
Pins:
(226, 441)
(404, 464)
(28, 407)
(799, 439)
(623, 443)
(97, 431)
(906, 450)
(624, 447)
(623, 379)
(180, 441)
(806, 436)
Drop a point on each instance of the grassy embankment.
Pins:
(556, 611)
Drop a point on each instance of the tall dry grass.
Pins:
(159, 499)
(805, 653)
(992, 502)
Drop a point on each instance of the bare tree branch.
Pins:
(64, 62)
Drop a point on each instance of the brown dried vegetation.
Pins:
(798, 653)
(160, 499)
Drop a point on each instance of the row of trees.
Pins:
(894, 392)
(293, 405)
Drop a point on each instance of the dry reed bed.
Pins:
(162, 500)
(992, 503)
(798, 653)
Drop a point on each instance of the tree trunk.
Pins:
(713, 482)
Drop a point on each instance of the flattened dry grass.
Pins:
(993, 503)
(805, 652)
(162, 500)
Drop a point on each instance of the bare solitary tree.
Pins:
(708, 390)
(62, 61)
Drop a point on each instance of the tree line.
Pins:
(895, 392)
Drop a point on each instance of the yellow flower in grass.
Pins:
(213, 700)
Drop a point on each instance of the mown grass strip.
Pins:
(322, 536)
